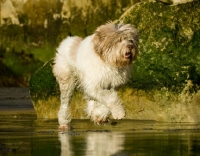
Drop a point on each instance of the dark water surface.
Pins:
(21, 133)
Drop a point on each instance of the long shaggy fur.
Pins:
(98, 64)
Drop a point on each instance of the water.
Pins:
(21, 133)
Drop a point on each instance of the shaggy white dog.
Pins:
(98, 65)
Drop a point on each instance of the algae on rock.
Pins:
(169, 44)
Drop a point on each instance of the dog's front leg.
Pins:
(97, 112)
(110, 99)
(114, 104)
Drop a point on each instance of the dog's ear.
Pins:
(98, 39)
(101, 36)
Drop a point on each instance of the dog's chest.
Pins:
(112, 78)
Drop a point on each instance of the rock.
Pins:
(168, 68)
(166, 76)
(169, 44)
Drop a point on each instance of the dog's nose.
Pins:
(129, 47)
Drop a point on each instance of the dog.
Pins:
(98, 65)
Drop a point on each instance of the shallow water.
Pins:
(21, 133)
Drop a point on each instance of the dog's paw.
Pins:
(118, 112)
(99, 119)
(98, 112)
(100, 116)
(64, 127)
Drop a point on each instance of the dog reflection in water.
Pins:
(98, 65)
(96, 144)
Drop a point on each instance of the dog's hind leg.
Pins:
(67, 87)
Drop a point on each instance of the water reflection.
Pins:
(131, 138)
(66, 149)
(100, 144)
(91, 144)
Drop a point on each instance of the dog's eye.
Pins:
(130, 41)
(129, 47)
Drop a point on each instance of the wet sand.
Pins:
(21, 133)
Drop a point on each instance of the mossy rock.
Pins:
(44, 92)
(169, 44)
(166, 76)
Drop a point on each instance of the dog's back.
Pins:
(66, 56)
(68, 48)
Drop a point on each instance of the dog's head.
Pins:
(116, 44)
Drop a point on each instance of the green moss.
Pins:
(169, 37)
(43, 83)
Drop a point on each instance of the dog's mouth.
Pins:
(128, 55)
